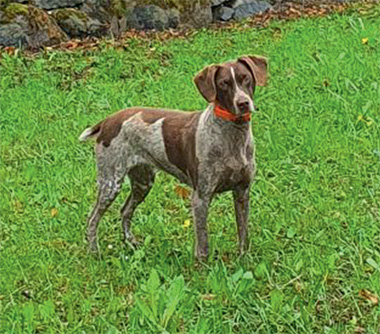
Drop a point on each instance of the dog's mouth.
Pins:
(245, 110)
(244, 105)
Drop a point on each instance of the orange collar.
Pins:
(228, 116)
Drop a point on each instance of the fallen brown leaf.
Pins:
(359, 330)
(18, 206)
(182, 191)
(54, 212)
(208, 296)
(10, 50)
(369, 296)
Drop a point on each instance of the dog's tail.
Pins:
(91, 132)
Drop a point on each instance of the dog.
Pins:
(211, 151)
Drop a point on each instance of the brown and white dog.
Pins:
(211, 151)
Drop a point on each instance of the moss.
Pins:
(4, 3)
(65, 13)
(181, 5)
(16, 9)
(118, 7)
(48, 31)
(13, 10)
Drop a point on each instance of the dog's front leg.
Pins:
(200, 204)
(241, 199)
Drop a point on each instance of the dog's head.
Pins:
(232, 85)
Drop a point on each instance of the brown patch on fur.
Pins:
(111, 126)
(179, 138)
(258, 67)
(205, 82)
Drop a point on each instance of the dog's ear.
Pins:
(205, 82)
(258, 66)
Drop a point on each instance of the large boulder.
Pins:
(43, 30)
(13, 25)
(247, 8)
(151, 17)
(197, 16)
(223, 13)
(97, 10)
(22, 25)
(53, 4)
(76, 23)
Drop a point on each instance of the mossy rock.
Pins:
(76, 23)
(14, 25)
(152, 17)
(10, 12)
(165, 14)
(44, 30)
(118, 8)
(181, 5)
(4, 3)
(198, 16)
(66, 13)
(54, 4)
(190, 13)
(28, 25)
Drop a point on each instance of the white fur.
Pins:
(138, 143)
(85, 134)
(240, 93)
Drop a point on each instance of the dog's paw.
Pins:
(132, 242)
(93, 249)
(201, 257)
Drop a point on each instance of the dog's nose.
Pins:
(243, 105)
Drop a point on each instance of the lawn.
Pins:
(314, 260)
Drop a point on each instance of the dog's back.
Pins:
(162, 138)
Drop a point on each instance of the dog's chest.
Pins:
(226, 160)
(234, 168)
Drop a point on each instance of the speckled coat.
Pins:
(209, 153)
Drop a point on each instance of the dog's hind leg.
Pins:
(107, 193)
(111, 173)
(142, 178)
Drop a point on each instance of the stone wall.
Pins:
(36, 23)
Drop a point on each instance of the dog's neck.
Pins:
(230, 116)
(234, 135)
(242, 125)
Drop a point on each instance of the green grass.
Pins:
(314, 224)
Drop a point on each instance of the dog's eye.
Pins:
(245, 78)
(224, 83)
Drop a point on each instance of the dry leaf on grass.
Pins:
(208, 296)
(18, 206)
(369, 296)
(359, 330)
(54, 212)
(182, 191)
(11, 50)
